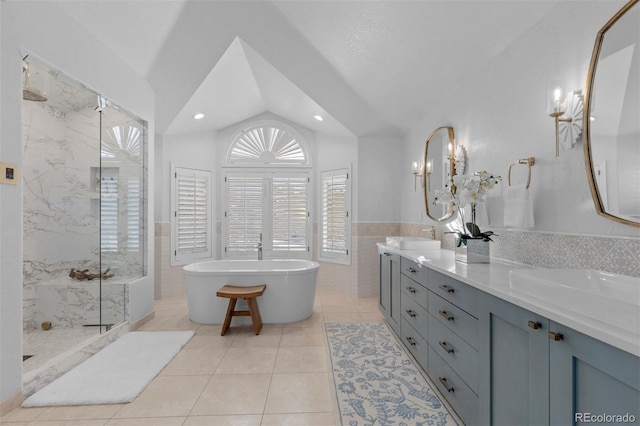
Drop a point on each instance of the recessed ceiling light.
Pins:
(318, 117)
(198, 116)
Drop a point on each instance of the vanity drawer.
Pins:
(457, 353)
(414, 290)
(463, 296)
(414, 314)
(455, 319)
(416, 344)
(457, 393)
(413, 270)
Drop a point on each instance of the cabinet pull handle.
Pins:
(447, 289)
(556, 337)
(535, 325)
(411, 290)
(411, 313)
(443, 380)
(446, 348)
(411, 341)
(446, 316)
(412, 270)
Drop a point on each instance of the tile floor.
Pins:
(277, 378)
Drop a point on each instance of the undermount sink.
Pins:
(610, 298)
(413, 243)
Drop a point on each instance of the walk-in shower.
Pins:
(83, 224)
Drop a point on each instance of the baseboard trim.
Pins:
(11, 403)
(142, 321)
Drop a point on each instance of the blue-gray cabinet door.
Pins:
(589, 378)
(384, 294)
(394, 303)
(389, 296)
(514, 364)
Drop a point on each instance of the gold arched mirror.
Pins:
(438, 170)
(611, 111)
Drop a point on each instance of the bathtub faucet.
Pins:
(260, 248)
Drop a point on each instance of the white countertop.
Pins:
(493, 278)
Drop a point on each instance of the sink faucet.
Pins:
(433, 232)
(260, 248)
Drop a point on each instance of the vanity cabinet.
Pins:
(499, 364)
(535, 371)
(389, 291)
(514, 364)
(438, 327)
(453, 352)
(414, 325)
(590, 378)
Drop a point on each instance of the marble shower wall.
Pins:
(61, 175)
(61, 218)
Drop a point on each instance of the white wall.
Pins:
(40, 28)
(381, 172)
(499, 114)
(333, 152)
(192, 151)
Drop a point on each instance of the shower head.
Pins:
(31, 93)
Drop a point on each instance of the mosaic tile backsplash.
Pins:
(555, 250)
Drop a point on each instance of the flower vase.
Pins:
(474, 250)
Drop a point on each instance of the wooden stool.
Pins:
(249, 294)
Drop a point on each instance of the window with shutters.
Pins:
(267, 205)
(109, 210)
(268, 142)
(243, 213)
(335, 225)
(134, 213)
(267, 193)
(290, 213)
(120, 211)
(191, 230)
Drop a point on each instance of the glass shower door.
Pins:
(121, 177)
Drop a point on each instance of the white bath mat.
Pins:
(117, 374)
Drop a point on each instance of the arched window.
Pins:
(268, 143)
(267, 199)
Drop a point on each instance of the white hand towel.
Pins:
(518, 208)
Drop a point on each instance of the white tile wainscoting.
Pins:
(360, 279)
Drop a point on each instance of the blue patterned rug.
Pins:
(377, 383)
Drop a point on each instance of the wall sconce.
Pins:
(566, 110)
(427, 171)
(417, 169)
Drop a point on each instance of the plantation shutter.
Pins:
(335, 215)
(290, 214)
(109, 213)
(192, 215)
(272, 205)
(244, 211)
(134, 213)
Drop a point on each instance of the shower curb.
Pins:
(35, 380)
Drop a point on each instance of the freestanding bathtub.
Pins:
(289, 296)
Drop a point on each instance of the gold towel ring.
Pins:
(529, 162)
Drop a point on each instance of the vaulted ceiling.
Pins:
(368, 67)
